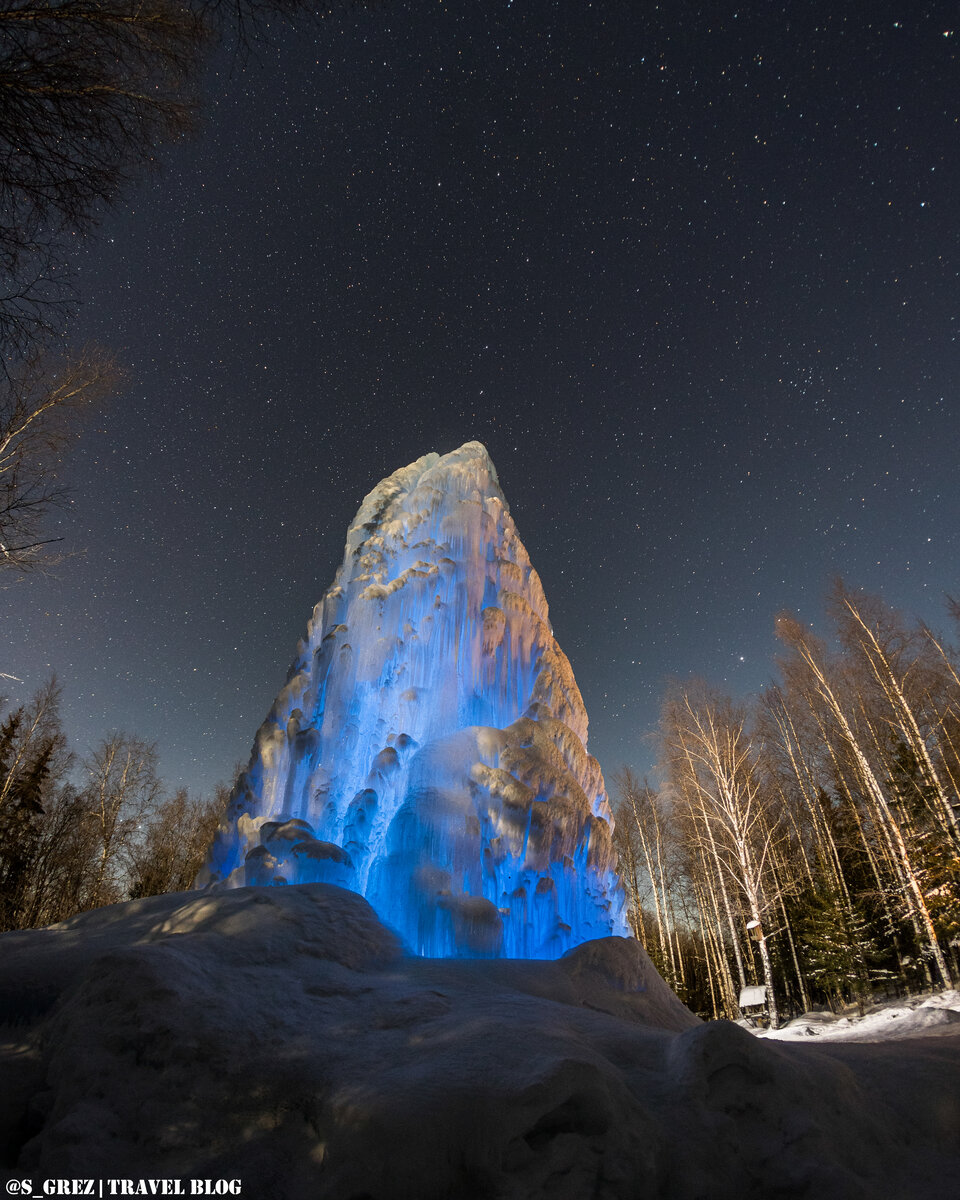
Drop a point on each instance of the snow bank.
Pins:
(280, 1036)
(898, 1019)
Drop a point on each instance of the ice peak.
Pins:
(428, 749)
(473, 452)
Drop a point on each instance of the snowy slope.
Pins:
(278, 1036)
(429, 747)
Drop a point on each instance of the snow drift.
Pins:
(279, 1036)
(428, 748)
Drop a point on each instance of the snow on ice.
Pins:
(428, 748)
(281, 1037)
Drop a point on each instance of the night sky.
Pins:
(689, 271)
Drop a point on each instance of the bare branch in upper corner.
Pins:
(40, 411)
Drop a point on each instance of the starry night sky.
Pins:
(689, 271)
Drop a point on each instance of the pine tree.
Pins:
(932, 847)
(9, 732)
(841, 952)
(19, 832)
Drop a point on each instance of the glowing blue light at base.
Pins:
(428, 748)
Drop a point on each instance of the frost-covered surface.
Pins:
(428, 748)
(277, 1035)
(917, 1016)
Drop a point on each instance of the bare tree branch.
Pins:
(39, 412)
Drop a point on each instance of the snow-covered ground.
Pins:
(280, 1037)
(895, 1019)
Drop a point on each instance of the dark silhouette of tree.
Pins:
(122, 789)
(88, 90)
(70, 839)
(170, 848)
(32, 753)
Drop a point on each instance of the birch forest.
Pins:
(807, 842)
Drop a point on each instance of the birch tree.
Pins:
(639, 812)
(122, 789)
(40, 411)
(170, 846)
(809, 658)
(714, 761)
(884, 645)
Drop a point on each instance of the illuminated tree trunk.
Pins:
(708, 742)
(883, 670)
(795, 635)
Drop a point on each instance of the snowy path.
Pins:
(920, 1016)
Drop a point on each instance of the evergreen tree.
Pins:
(932, 847)
(8, 740)
(841, 952)
(19, 832)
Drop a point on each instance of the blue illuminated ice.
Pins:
(428, 748)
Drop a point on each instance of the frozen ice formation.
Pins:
(428, 748)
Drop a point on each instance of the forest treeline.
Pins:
(808, 841)
(77, 833)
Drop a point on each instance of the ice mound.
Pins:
(429, 747)
(279, 1037)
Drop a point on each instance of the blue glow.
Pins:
(427, 749)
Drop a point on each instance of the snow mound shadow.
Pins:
(279, 1036)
